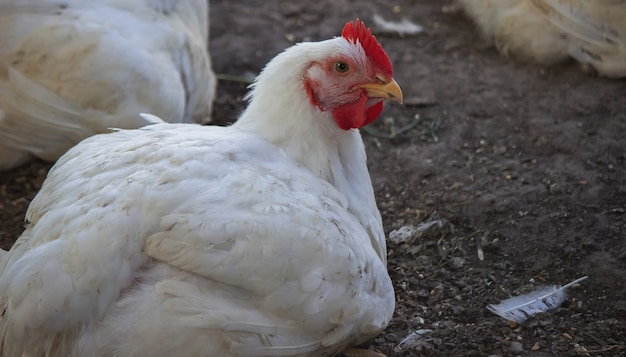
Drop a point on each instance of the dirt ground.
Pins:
(514, 178)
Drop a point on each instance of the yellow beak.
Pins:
(388, 90)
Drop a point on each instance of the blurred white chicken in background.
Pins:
(73, 68)
(258, 239)
(593, 32)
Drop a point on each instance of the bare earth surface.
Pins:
(514, 178)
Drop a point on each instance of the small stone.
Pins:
(567, 336)
(555, 189)
(516, 347)
(499, 150)
(457, 262)
(536, 347)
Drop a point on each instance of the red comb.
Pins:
(357, 31)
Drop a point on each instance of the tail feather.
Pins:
(37, 121)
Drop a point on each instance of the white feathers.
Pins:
(552, 31)
(190, 240)
(222, 272)
(520, 308)
(71, 69)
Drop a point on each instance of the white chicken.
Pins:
(258, 239)
(593, 32)
(73, 68)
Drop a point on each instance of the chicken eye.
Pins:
(341, 67)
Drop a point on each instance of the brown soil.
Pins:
(522, 163)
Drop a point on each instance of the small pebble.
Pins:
(457, 262)
(555, 189)
(567, 336)
(516, 347)
(536, 347)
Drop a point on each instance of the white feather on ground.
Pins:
(404, 27)
(412, 340)
(520, 308)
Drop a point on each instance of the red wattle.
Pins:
(373, 113)
(356, 115)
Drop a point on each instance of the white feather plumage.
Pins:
(71, 69)
(258, 239)
(520, 308)
(593, 32)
